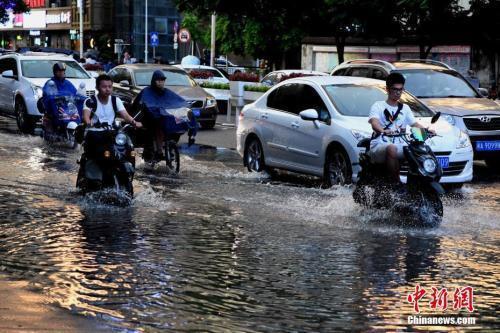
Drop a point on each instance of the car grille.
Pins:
(475, 124)
(453, 169)
(90, 93)
(196, 104)
(475, 138)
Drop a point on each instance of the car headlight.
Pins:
(429, 165)
(121, 139)
(211, 102)
(449, 118)
(37, 91)
(360, 135)
(463, 140)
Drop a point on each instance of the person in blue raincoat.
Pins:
(56, 85)
(155, 98)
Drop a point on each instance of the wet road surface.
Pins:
(218, 249)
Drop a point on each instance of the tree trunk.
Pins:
(340, 41)
(424, 51)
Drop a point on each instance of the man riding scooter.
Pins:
(387, 118)
(153, 100)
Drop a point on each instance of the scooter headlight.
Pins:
(121, 139)
(429, 165)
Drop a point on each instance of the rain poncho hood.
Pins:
(161, 98)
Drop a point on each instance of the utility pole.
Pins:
(212, 43)
(80, 13)
(146, 34)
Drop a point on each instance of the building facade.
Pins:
(47, 24)
(129, 26)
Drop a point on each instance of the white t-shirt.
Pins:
(105, 112)
(405, 118)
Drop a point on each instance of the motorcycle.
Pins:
(108, 161)
(62, 113)
(173, 124)
(419, 199)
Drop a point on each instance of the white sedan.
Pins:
(312, 125)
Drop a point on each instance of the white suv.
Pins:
(313, 124)
(22, 77)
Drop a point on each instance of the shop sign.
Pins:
(34, 19)
(34, 32)
(35, 3)
(59, 18)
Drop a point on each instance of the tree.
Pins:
(16, 6)
(431, 22)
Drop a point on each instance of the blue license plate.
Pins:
(487, 145)
(444, 161)
(196, 112)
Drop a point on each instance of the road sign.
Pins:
(154, 39)
(184, 35)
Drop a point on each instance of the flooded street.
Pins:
(218, 249)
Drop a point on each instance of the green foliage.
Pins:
(256, 88)
(213, 85)
(17, 6)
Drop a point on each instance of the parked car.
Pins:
(275, 77)
(228, 66)
(443, 89)
(201, 73)
(130, 79)
(23, 77)
(276, 132)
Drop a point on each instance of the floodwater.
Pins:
(218, 249)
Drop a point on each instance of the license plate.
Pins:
(487, 145)
(444, 161)
(196, 112)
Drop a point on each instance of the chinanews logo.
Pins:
(435, 299)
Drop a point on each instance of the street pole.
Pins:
(212, 43)
(146, 34)
(80, 12)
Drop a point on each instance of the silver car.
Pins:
(24, 75)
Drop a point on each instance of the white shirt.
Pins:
(105, 112)
(405, 118)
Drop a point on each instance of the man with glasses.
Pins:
(390, 117)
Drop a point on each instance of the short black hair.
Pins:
(100, 78)
(394, 78)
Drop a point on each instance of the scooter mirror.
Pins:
(435, 117)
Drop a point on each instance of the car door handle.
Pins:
(264, 116)
(295, 125)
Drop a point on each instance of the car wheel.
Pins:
(254, 155)
(25, 122)
(494, 165)
(208, 124)
(337, 168)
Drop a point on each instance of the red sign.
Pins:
(35, 3)
(184, 35)
(463, 298)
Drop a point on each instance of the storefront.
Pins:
(47, 27)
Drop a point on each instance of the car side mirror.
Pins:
(435, 117)
(309, 114)
(9, 74)
(124, 83)
(483, 91)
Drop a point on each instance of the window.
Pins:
(8, 64)
(285, 98)
(359, 72)
(174, 78)
(113, 74)
(340, 72)
(378, 74)
(310, 99)
(43, 69)
(357, 100)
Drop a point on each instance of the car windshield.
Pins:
(38, 68)
(430, 83)
(357, 100)
(174, 77)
